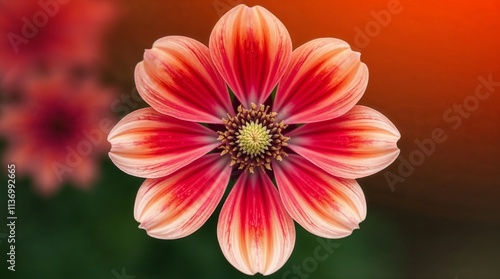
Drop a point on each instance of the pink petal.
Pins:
(148, 144)
(324, 80)
(324, 205)
(177, 205)
(251, 49)
(177, 78)
(255, 232)
(357, 144)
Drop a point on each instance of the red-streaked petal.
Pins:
(255, 232)
(177, 78)
(324, 80)
(357, 144)
(177, 205)
(251, 48)
(148, 144)
(324, 205)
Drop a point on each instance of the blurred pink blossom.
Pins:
(58, 130)
(40, 34)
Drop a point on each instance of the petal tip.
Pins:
(249, 243)
(251, 49)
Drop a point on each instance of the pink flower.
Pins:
(58, 131)
(43, 33)
(314, 141)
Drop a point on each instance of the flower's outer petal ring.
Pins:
(177, 78)
(322, 204)
(177, 205)
(251, 49)
(255, 232)
(148, 144)
(357, 144)
(324, 80)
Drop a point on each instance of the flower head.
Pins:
(311, 137)
(56, 132)
(44, 33)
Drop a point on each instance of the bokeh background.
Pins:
(438, 218)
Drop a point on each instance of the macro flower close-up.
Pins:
(229, 139)
(282, 121)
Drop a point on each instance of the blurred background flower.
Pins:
(56, 131)
(40, 34)
(55, 108)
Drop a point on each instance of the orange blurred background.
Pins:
(434, 213)
(424, 57)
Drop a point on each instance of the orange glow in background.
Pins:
(426, 60)
(424, 57)
(434, 213)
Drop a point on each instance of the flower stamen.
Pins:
(253, 138)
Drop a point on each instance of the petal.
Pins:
(251, 49)
(324, 205)
(357, 144)
(324, 80)
(148, 144)
(255, 232)
(177, 205)
(177, 78)
(46, 182)
(85, 174)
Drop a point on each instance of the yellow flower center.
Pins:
(254, 139)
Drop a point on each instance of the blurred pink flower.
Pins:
(315, 141)
(58, 130)
(46, 33)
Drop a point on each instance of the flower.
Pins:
(58, 130)
(315, 141)
(37, 34)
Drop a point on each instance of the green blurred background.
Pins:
(443, 221)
